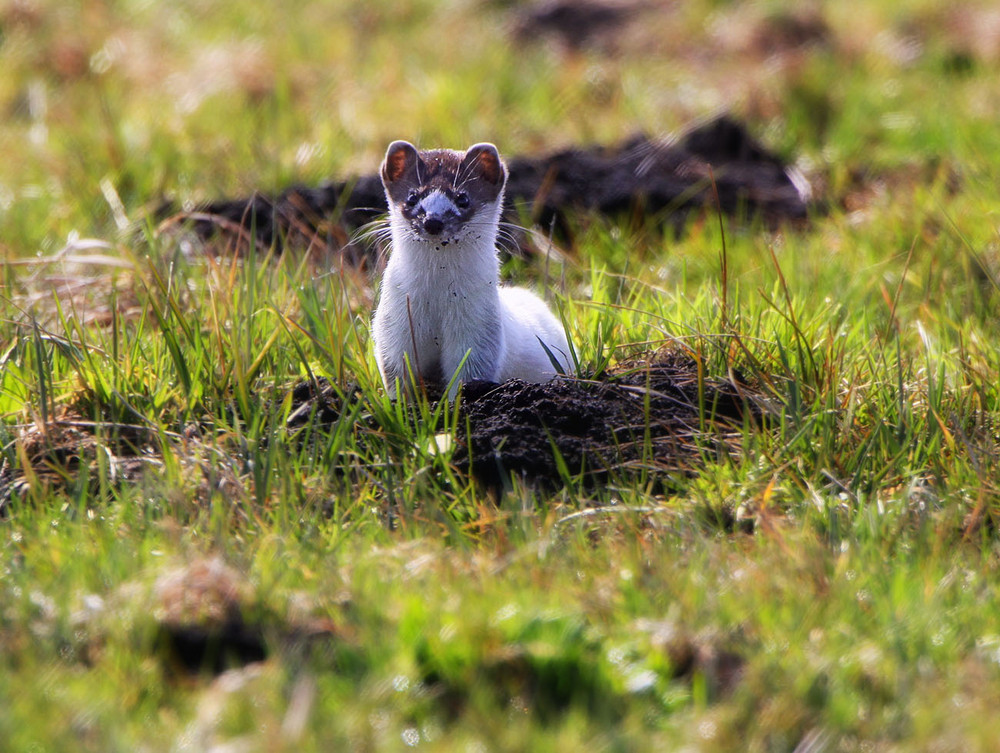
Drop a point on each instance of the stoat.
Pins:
(441, 308)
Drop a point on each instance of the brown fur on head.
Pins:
(484, 160)
(440, 194)
(479, 171)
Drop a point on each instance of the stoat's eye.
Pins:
(462, 200)
(412, 198)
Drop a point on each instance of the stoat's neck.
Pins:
(470, 259)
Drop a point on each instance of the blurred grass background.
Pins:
(197, 100)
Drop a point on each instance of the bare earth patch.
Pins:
(649, 417)
(653, 416)
(717, 165)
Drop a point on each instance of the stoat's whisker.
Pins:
(507, 241)
(373, 232)
(513, 226)
(464, 175)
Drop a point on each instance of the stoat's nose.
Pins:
(433, 225)
(435, 211)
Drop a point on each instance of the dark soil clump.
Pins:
(652, 417)
(575, 24)
(642, 177)
(208, 620)
(67, 449)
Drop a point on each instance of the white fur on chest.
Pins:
(431, 317)
(435, 306)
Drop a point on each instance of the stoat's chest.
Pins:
(449, 298)
(445, 284)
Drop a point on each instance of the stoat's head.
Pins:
(443, 196)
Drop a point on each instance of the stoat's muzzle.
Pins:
(437, 213)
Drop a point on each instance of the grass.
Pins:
(145, 395)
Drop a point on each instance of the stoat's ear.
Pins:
(401, 161)
(483, 161)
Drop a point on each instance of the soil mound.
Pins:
(650, 417)
(640, 177)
